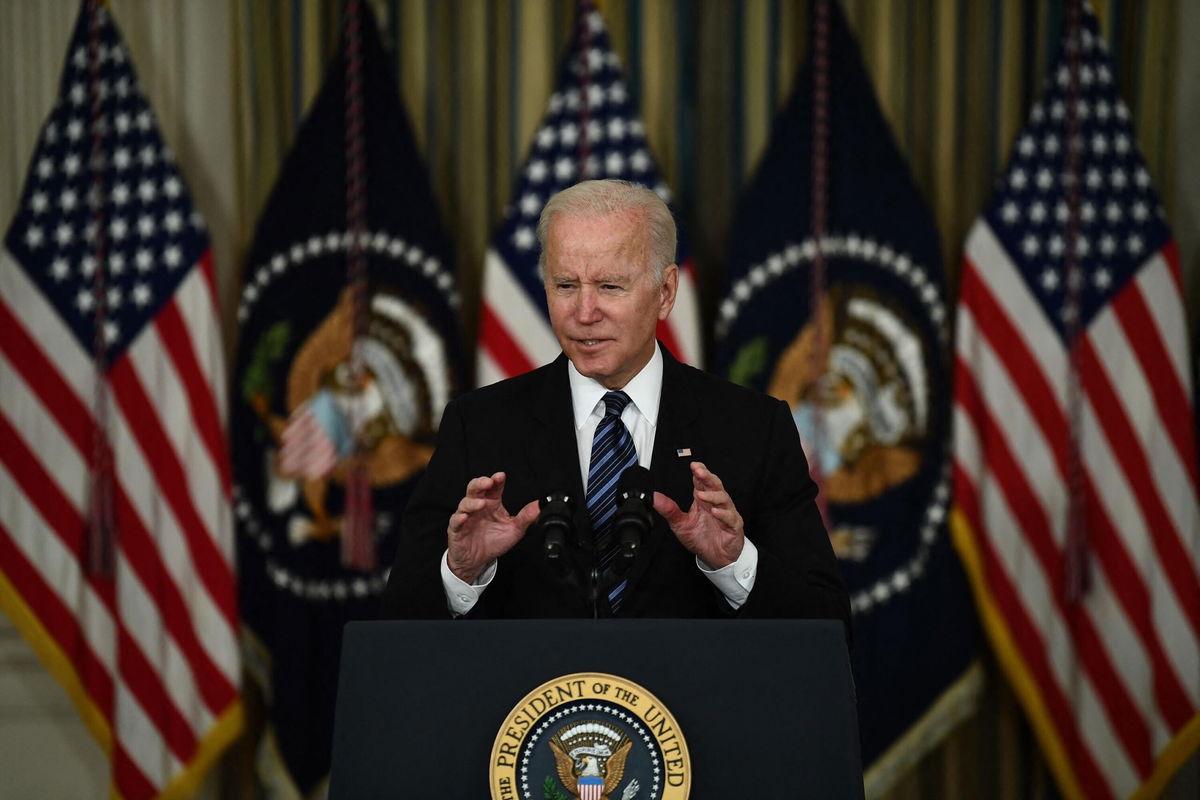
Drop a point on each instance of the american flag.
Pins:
(1109, 678)
(149, 652)
(590, 131)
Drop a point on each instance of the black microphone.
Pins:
(635, 501)
(556, 523)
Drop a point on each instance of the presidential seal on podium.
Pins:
(590, 736)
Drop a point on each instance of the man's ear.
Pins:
(670, 286)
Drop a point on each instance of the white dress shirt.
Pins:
(641, 418)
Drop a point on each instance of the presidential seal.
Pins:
(590, 736)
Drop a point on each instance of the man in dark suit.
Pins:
(735, 531)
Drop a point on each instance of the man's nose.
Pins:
(588, 310)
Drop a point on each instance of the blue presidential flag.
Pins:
(861, 356)
(298, 411)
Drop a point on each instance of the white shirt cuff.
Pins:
(461, 596)
(735, 580)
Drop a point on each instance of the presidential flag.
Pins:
(112, 432)
(857, 344)
(590, 131)
(300, 410)
(1075, 486)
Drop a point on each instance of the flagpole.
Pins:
(1076, 560)
(585, 146)
(101, 521)
(358, 546)
(818, 362)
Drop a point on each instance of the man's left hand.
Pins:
(712, 528)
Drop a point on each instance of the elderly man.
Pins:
(735, 529)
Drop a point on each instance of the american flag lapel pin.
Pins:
(684, 452)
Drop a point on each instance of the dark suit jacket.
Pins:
(524, 427)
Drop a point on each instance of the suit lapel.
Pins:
(675, 433)
(554, 454)
(669, 472)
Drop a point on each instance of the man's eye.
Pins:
(610, 287)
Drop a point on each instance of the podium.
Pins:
(766, 707)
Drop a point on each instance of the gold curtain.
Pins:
(955, 79)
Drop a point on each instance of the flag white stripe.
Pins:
(1005, 283)
(196, 305)
(145, 625)
(41, 546)
(1124, 650)
(523, 320)
(1121, 507)
(43, 325)
(156, 373)
(1161, 293)
(43, 436)
(158, 517)
(1168, 474)
(486, 370)
(140, 737)
(1028, 577)
(1004, 402)
(684, 320)
(1110, 755)
(1031, 323)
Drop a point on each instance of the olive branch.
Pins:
(550, 790)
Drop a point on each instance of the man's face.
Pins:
(604, 306)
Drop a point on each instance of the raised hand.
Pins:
(712, 528)
(481, 529)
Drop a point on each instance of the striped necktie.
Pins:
(612, 454)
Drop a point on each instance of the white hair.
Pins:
(604, 197)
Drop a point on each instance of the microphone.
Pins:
(635, 501)
(557, 510)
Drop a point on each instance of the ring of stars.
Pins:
(335, 590)
(864, 248)
(380, 243)
(628, 719)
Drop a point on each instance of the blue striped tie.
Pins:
(612, 454)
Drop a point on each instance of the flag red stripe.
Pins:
(1023, 368)
(58, 511)
(59, 514)
(201, 402)
(142, 681)
(1174, 559)
(41, 489)
(209, 273)
(1123, 577)
(171, 480)
(43, 377)
(666, 334)
(1127, 719)
(59, 622)
(1029, 642)
(665, 330)
(1170, 251)
(137, 545)
(495, 337)
(131, 783)
(1169, 393)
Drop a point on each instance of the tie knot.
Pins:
(614, 403)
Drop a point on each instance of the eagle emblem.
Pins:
(590, 756)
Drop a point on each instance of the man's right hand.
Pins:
(481, 530)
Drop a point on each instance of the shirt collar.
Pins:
(644, 390)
